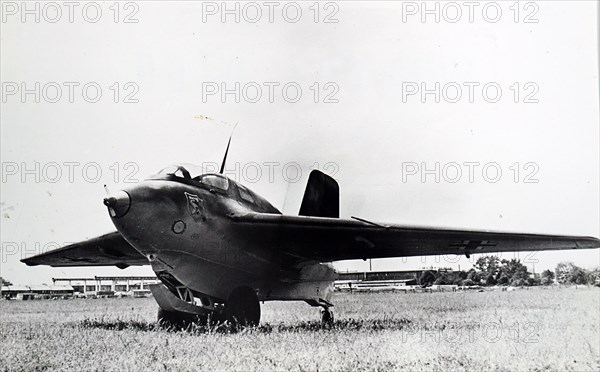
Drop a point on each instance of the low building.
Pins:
(108, 286)
(43, 291)
(399, 277)
(387, 281)
(12, 291)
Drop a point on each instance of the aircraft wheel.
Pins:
(327, 316)
(242, 307)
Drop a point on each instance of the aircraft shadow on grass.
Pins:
(302, 326)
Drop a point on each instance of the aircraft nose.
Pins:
(118, 204)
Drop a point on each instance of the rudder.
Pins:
(321, 197)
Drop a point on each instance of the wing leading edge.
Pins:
(333, 239)
(106, 250)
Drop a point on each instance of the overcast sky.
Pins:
(361, 116)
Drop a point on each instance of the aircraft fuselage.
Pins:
(182, 226)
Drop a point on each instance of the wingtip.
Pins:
(592, 242)
(30, 261)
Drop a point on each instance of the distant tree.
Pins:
(474, 276)
(517, 282)
(427, 278)
(578, 276)
(4, 281)
(547, 277)
(462, 274)
(450, 277)
(488, 264)
(504, 279)
(533, 281)
(447, 278)
(514, 270)
(594, 276)
(467, 282)
(568, 273)
(562, 272)
(491, 280)
(441, 280)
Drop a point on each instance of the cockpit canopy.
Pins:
(195, 173)
(208, 178)
(187, 171)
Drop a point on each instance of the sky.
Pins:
(475, 118)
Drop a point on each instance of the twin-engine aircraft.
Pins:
(219, 249)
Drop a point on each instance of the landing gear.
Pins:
(178, 320)
(242, 307)
(326, 316)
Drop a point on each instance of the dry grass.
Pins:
(523, 330)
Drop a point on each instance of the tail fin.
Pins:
(322, 196)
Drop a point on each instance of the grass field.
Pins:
(523, 330)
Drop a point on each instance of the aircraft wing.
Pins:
(106, 250)
(334, 239)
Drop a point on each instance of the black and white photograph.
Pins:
(312, 185)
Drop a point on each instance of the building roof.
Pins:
(102, 278)
(45, 287)
(20, 288)
(34, 288)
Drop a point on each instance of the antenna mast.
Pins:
(227, 150)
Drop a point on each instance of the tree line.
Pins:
(491, 270)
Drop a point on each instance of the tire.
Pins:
(327, 317)
(242, 307)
